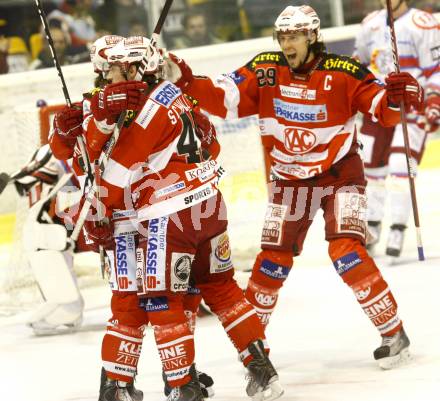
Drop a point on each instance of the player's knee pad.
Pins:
(120, 352)
(358, 270)
(174, 340)
(270, 270)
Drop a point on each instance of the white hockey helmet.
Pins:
(99, 49)
(133, 50)
(301, 18)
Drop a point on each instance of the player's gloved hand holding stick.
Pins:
(410, 93)
(110, 144)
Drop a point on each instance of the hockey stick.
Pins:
(409, 164)
(108, 149)
(100, 214)
(45, 24)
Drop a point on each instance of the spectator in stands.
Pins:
(196, 32)
(14, 55)
(66, 54)
(117, 16)
(76, 14)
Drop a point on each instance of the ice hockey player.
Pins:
(67, 127)
(418, 42)
(46, 244)
(160, 172)
(307, 100)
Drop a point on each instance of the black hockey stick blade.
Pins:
(4, 180)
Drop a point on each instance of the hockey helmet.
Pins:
(301, 18)
(133, 50)
(99, 49)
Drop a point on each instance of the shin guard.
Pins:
(359, 271)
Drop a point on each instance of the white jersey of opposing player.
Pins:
(418, 45)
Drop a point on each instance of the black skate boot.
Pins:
(263, 379)
(206, 384)
(395, 240)
(188, 392)
(393, 350)
(114, 390)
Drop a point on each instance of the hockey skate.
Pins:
(373, 235)
(393, 351)
(263, 379)
(206, 384)
(53, 319)
(115, 390)
(395, 240)
(188, 392)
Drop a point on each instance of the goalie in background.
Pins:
(46, 244)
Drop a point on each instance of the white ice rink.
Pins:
(321, 341)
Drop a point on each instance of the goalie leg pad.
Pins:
(270, 270)
(359, 271)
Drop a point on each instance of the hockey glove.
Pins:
(403, 87)
(101, 234)
(107, 104)
(68, 122)
(177, 71)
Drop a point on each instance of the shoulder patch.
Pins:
(165, 94)
(348, 65)
(424, 20)
(267, 58)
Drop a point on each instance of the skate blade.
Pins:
(395, 361)
(209, 391)
(272, 392)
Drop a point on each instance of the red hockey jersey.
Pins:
(307, 122)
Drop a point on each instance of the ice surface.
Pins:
(322, 343)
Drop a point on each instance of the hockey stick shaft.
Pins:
(57, 65)
(409, 161)
(108, 149)
(99, 212)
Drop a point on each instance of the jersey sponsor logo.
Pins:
(298, 93)
(155, 304)
(273, 223)
(381, 311)
(204, 193)
(140, 263)
(298, 171)
(339, 64)
(124, 246)
(264, 58)
(180, 271)
(166, 94)
(299, 140)
(221, 254)
(147, 113)
(425, 20)
(351, 210)
(170, 189)
(347, 262)
(274, 270)
(155, 246)
(302, 158)
(363, 294)
(265, 299)
(203, 172)
(300, 112)
(236, 77)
